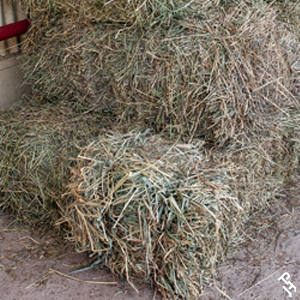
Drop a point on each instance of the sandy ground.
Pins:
(34, 267)
(254, 272)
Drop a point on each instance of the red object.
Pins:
(14, 29)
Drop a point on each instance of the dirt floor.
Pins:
(254, 272)
(34, 267)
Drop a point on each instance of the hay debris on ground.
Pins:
(168, 212)
(217, 70)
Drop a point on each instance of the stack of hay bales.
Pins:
(219, 79)
(217, 70)
(150, 208)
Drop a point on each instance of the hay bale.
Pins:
(36, 143)
(166, 212)
(207, 69)
(289, 12)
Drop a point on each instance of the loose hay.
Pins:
(210, 69)
(168, 212)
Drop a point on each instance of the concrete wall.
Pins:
(11, 77)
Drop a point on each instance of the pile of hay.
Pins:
(166, 212)
(36, 143)
(217, 70)
(162, 210)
